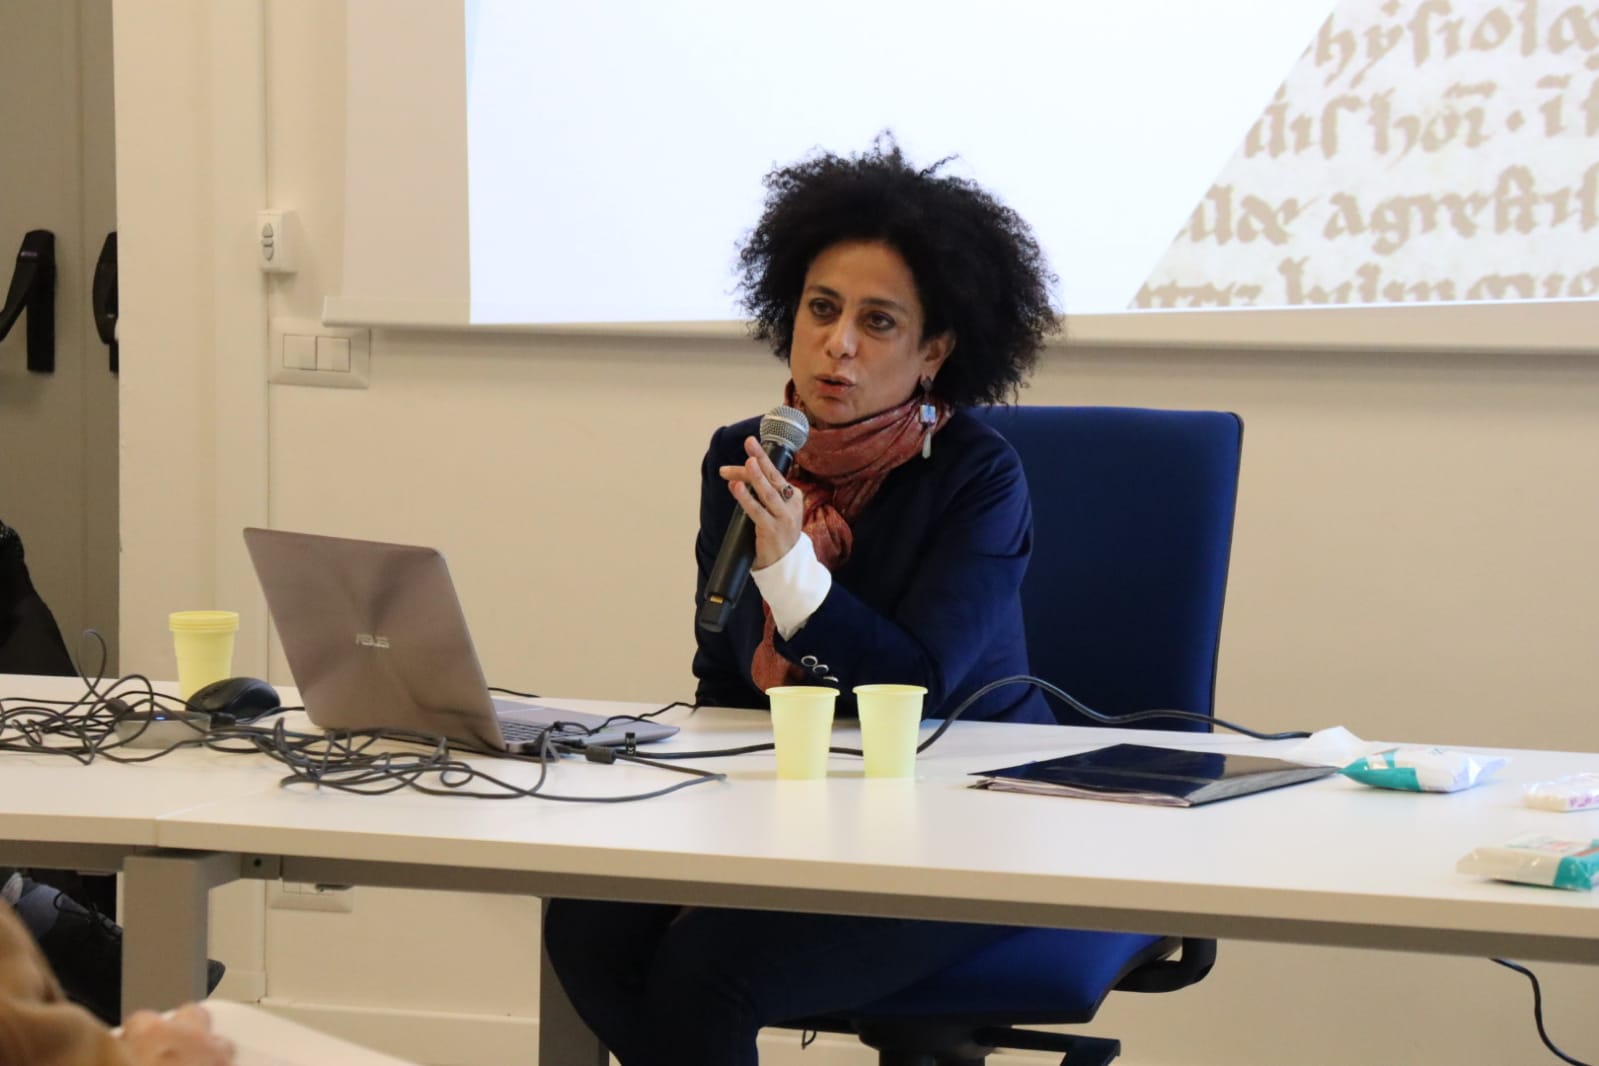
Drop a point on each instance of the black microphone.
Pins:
(783, 432)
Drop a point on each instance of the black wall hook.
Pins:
(33, 289)
(103, 296)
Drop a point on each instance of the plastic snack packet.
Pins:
(1538, 860)
(1575, 792)
(1424, 769)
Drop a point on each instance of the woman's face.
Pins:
(858, 346)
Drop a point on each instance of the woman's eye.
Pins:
(880, 322)
(821, 308)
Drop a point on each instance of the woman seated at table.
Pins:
(897, 296)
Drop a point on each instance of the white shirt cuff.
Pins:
(794, 586)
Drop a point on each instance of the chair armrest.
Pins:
(1165, 974)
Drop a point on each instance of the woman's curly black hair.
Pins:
(979, 271)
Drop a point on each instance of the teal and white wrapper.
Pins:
(1424, 769)
(1538, 859)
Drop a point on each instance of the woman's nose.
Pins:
(842, 340)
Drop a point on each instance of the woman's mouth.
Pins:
(828, 385)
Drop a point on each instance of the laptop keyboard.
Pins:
(521, 732)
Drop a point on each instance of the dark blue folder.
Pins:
(1137, 773)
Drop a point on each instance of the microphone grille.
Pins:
(786, 426)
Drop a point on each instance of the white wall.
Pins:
(1412, 556)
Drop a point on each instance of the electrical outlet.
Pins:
(299, 896)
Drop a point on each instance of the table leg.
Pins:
(165, 921)
(564, 1040)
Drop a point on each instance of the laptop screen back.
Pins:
(374, 635)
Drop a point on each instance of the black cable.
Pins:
(353, 771)
(1071, 701)
(646, 716)
(717, 753)
(86, 728)
(1537, 1011)
(391, 771)
(574, 732)
(1107, 719)
(99, 670)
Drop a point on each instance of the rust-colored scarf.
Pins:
(839, 470)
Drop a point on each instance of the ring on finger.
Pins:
(786, 493)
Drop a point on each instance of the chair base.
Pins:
(1093, 1052)
(1089, 1051)
(920, 1044)
(1075, 1050)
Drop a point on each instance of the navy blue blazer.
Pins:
(929, 595)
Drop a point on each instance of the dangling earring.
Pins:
(928, 415)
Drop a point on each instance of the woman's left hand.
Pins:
(775, 507)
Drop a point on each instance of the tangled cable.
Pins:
(112, 721)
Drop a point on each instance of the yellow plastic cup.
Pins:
(203, 641)
(890, 717)
(802, 725)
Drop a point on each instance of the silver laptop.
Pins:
(375, 639)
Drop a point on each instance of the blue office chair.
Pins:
(1133, 517)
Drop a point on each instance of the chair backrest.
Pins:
(1133, 519)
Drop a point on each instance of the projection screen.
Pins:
(1300, 173)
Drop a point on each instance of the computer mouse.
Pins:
(235, 699)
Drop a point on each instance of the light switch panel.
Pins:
(305, 352)
(333, 354)
(299, 351)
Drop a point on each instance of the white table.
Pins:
(56, 813)
(1330, 862)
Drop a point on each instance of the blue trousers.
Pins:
(661, 985)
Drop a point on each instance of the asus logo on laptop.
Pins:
(369, 640)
